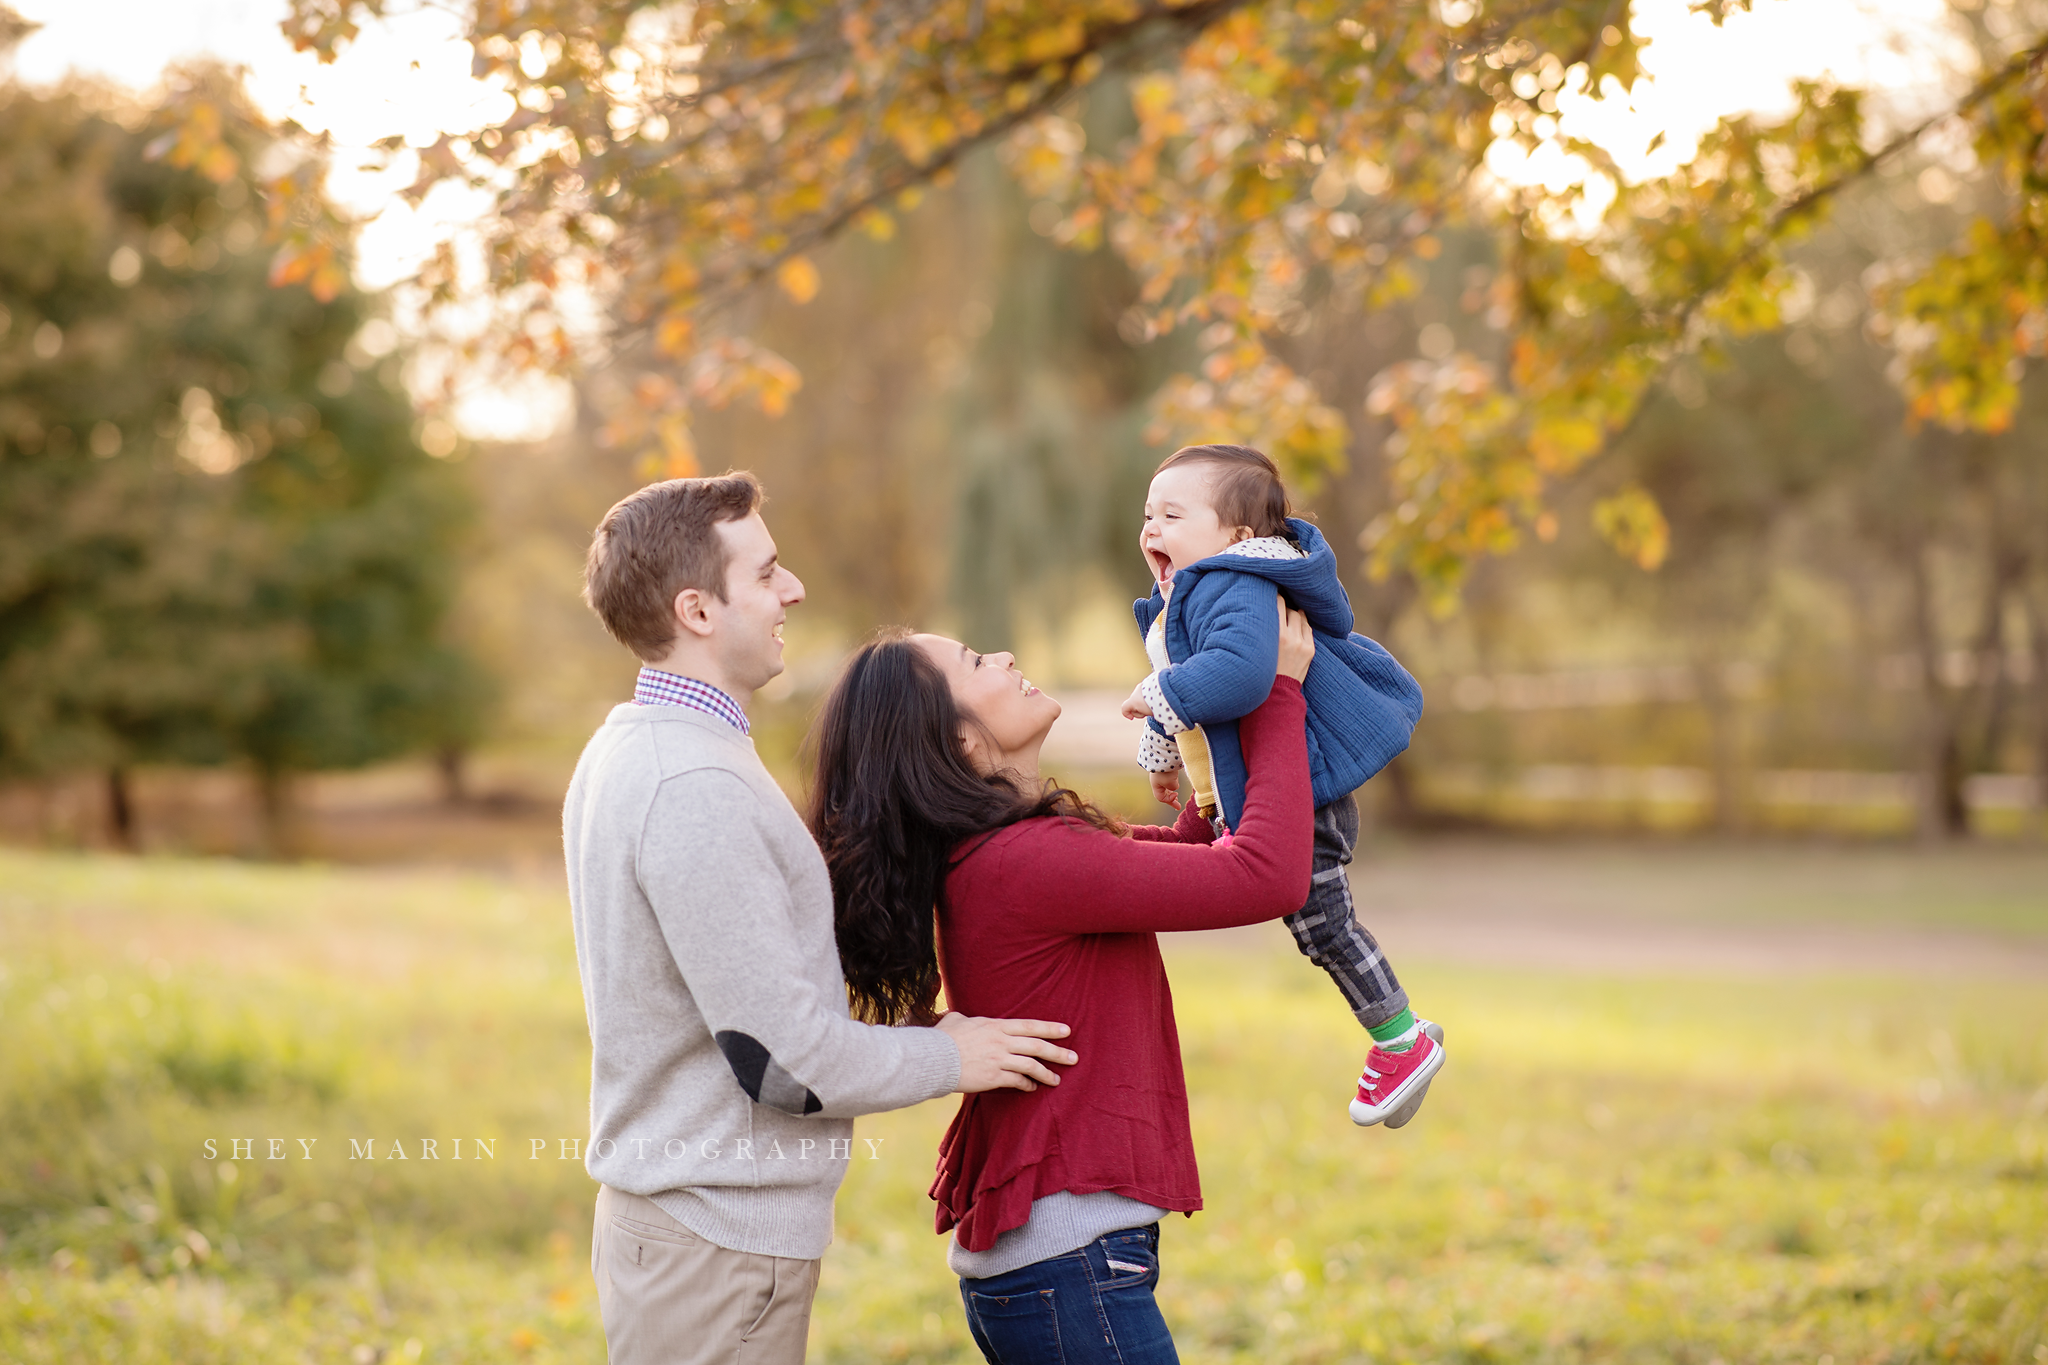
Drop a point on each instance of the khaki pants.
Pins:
(668, 1297)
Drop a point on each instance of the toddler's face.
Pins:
(1181, 525)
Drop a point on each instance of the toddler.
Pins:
(1220, 544)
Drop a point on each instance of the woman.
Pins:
(928, 799)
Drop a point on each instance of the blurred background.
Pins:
(288, 702)
(369, 642)
(344, 625)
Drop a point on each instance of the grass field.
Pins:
(1613, 1168)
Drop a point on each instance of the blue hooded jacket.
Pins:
(1223, 637)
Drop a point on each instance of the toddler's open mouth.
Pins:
(1162, 567)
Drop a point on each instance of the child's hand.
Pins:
(1135, 705)
(1166, 787)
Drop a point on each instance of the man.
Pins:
(725, 1068)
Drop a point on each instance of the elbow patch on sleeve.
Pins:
(763, 1078)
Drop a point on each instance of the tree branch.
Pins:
(1188, 21)
(1786, 214)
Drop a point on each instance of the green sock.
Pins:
(1398, 1034)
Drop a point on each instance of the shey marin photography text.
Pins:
(538, 1149)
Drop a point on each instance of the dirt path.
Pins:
(1698, 907)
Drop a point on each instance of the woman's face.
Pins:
(1013, 715)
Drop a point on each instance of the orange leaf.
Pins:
(289, 267)
(327, 282)
(674, 333)
(798, 278)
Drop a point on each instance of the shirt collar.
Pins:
(656, 688)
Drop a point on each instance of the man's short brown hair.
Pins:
(1247, 490)
(657, 542)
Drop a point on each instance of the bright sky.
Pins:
(1700, 73)
(408, 77)
(411, 77)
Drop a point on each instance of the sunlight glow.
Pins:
(409, 76)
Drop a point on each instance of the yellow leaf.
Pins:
(1559, 443)
(1045, 44)
(1634, 525)
(219, 163)
(678, 451)
(1152, 98)
(798, 278)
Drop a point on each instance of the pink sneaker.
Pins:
(1399, 1118)
(1391, 1079)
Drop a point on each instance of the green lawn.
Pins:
(1696, 1169)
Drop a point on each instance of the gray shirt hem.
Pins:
(1059, 1222)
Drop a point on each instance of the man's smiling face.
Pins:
(747, 626)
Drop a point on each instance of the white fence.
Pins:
(1091, 734)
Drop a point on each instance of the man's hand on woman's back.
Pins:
(1000, 1054)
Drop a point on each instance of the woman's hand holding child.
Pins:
(1297, 643)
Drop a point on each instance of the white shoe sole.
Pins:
(1402, 1104)
(1399, 1118)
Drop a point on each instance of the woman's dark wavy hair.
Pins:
(893, 798)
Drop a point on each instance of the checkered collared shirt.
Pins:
(656, 688)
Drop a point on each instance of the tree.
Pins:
(1863, 586)
(679, 158)
(219, 539)
(969, 432)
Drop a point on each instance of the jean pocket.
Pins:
(1132, 1257)
(1017, 1329)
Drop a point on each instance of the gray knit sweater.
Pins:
(725, 1069)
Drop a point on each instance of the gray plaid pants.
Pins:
(1326, 928)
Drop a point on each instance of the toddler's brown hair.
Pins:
(1247, 489)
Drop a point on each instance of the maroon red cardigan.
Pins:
(1053, 919)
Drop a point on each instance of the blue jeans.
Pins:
(1092, 1306)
